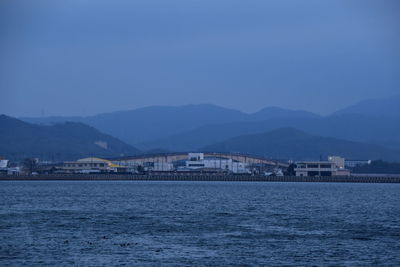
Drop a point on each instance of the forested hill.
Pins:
(69, 140)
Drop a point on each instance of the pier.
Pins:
(199, 177)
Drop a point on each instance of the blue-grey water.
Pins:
(199, 223)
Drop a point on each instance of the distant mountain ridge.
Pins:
(190, 127)
(151, 123)
(349, 127)
(384, 107)
(289, 143)
(69, 140)
(269, 113)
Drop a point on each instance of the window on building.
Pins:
(196, 165)
(312, 165)
(325, 166)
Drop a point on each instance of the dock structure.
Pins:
(199, 177)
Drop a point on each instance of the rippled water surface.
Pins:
(199, 223)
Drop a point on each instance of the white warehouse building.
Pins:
(197, 161)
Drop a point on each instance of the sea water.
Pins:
(198, 223)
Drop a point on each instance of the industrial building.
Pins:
(3, 166)
(158, 166)
(187, 162)
(335, 166)
(3, 163)
(197, 161)
(91, 165)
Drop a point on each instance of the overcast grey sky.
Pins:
(82, 57)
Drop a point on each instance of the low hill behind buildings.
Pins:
(69, 140)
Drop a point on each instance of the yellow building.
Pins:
(92, 164)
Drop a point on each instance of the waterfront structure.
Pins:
(13, 170)
(333, 167)
(134, 167)
(91, 165)
(162, 167)
(354, 163)
(339, 161)
(156, 166)
(192, 162)
(315, 168)
(5, 167)
(3, 163)
(197, 161)
(181, 156)
(214, 161)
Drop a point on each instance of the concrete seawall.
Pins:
(197, 177)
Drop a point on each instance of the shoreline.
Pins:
(199, 177)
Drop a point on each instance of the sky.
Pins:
(83, 57)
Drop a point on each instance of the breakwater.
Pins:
(200, 177)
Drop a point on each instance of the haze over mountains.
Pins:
(193, 127)
(139, 125)
(386, 107)
(151, 123)
(358, 128)
(354, 123)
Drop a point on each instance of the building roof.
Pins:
(315, 162)
(93, 159)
